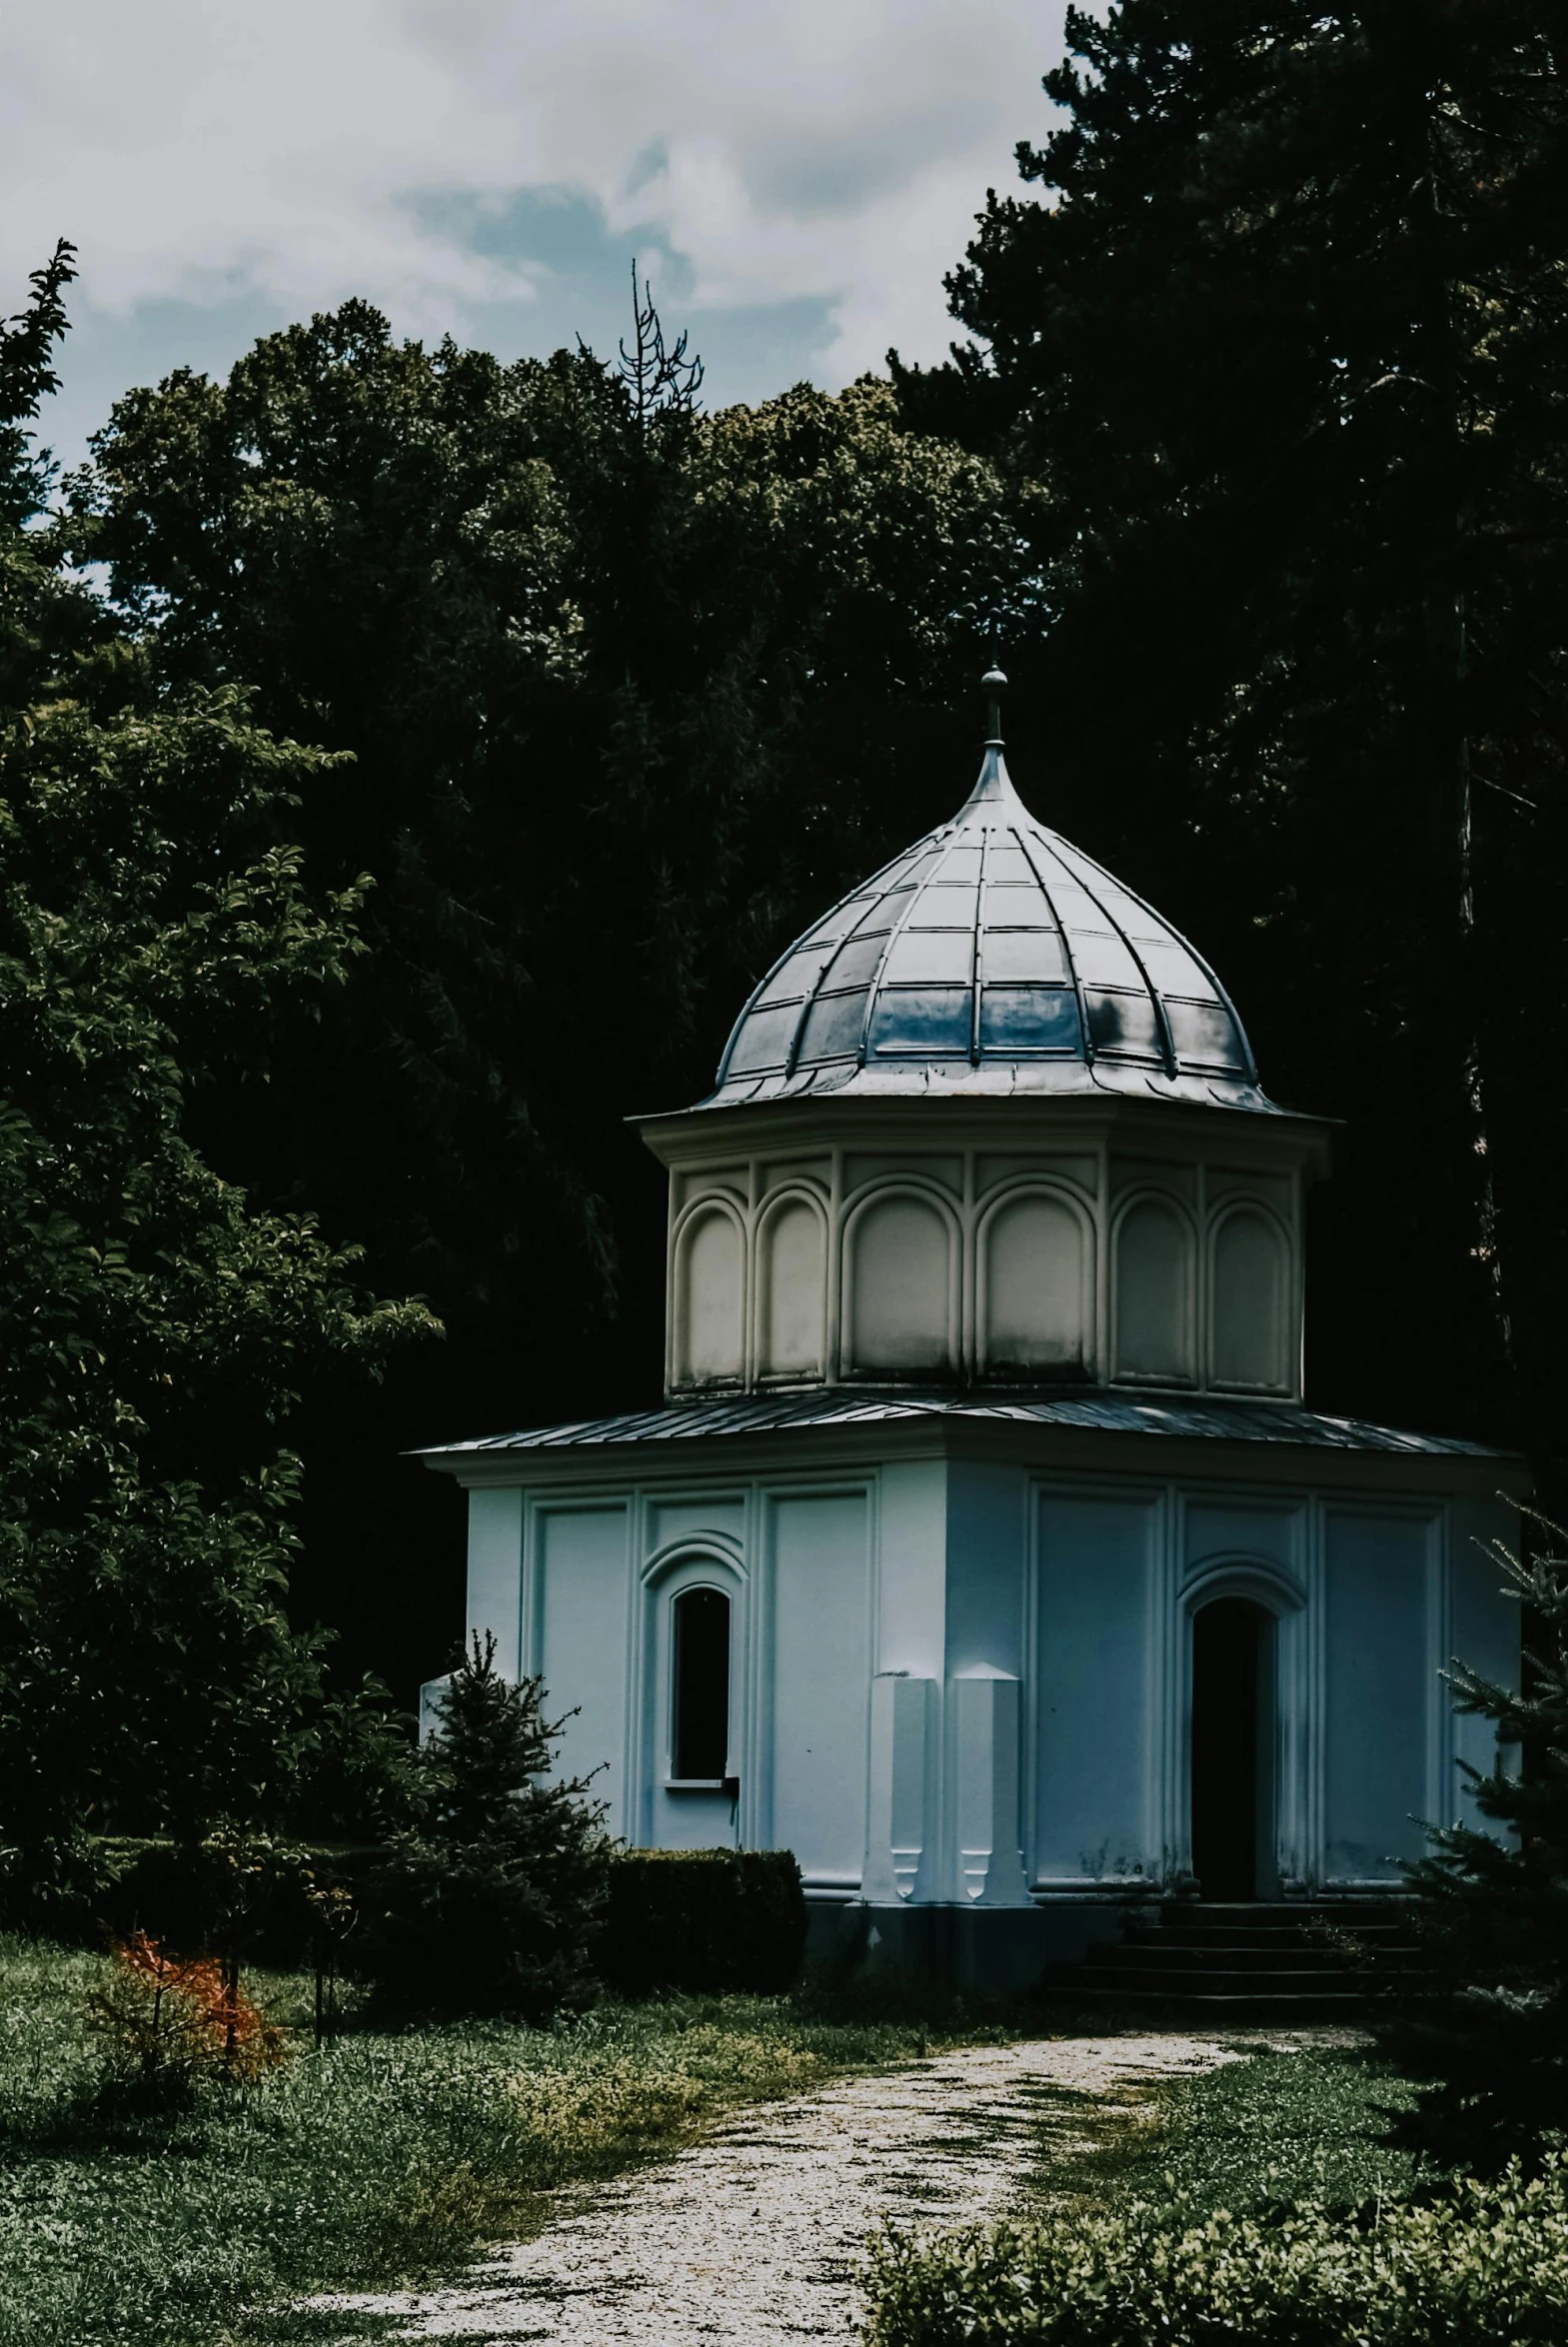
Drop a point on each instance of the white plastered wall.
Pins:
(957, 1682)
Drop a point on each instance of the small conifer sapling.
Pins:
(493, 1900)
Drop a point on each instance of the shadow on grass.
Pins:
(114, 2115)
(1257, 2135)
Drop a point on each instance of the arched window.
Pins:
(701, 1740)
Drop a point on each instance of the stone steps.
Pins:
(1190, 1954)
(1204, 2011)
(1268, 1962)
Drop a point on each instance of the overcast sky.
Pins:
(795, 175)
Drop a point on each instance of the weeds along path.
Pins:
(755, 2233)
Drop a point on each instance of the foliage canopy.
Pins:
(156, 931)
(631, 692)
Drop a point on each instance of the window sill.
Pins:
(700, 1784)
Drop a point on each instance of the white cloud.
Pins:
(211, 151)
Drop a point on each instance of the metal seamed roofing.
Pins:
(991, 957)
(1097, 1410)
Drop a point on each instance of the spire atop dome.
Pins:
(995, 684)
(994, 787)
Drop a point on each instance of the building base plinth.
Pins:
(995, 1951)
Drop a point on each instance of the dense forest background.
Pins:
(565, 705)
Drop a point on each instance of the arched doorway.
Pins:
(1233, 1750)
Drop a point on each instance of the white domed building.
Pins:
(983, 1551)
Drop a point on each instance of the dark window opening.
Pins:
(1232, 1796)
(702, 1687)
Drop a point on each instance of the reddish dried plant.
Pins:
(169, 2020)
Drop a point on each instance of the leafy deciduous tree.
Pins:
(631, 692)
(156, 926)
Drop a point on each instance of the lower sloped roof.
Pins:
(1087, 1412)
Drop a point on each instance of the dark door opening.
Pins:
(1232, 1741)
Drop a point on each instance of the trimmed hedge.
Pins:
(1484, 2265)
(166, 1889)
(683, 1920)
(704, 1920)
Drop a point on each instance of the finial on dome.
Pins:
(995, 684)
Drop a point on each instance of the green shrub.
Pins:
(1484, 2265)
(704, 1920)
(173, 1891)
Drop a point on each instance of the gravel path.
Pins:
(755, 2233)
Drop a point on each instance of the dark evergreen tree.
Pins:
(1289, 351)
(493, 1900)
(1488, 2033)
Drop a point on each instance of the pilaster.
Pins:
(985, 1727)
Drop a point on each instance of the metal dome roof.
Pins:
(990, 957)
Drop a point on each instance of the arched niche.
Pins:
(1249, 1314)
(710, 1296)
(900, 1250)
(1037, 1284)
(693, 1636)
(1153, 1297)
(792, 1299)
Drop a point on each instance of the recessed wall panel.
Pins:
(581, 1599)
(1381, 1684)
(1037, 1291)
(794, 1298)
(1153, 1310)
(820, 1681)
(1250, 1304)
(1094, 1738)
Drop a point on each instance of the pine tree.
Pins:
(1487, 2034)
(492, 1901)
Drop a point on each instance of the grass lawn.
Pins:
(384, 2160)
(1271, 2127)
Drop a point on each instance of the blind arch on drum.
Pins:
(900, 1285)
(1153, 1308)
(1036, 1273)
(710, 1297)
